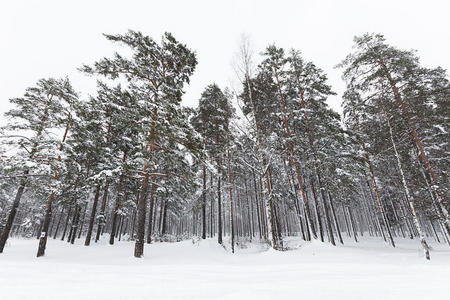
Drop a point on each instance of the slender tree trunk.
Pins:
(92, 218)
(230, 190)
(249, 211)
(150, 215)
(219, 200)
(406, 189)
(59, 222)
(204, 204)
(117, 202)
(164, 219)
(82, 220)
(12, 214)
(258, 211)
(375, 186)
(67, 222)
(336, 222)
(75, 224)
(211, 209)
(101, 217)
(316, 208)
(352, 223)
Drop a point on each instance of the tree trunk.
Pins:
(92, 218)
(82, 220)
(117, 202)
(164, 219)
(67, 223)
(140, 235)
(230, 190)
(59, 222)
(336, 222)
(204, 204)
(101, 217)
(316, 208)
(375, 187)
(44, 232)
(75, 224)
(406, 189)
(150, 215)
(12, 214)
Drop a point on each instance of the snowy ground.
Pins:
(367, 270)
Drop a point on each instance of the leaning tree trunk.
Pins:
(423, 158)
(336, 222)
(316, 209)
(12, 213)
(406, 189)
(375, 186)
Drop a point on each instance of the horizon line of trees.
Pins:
(132, 162)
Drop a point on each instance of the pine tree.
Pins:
(156, 74)
(40, 109)
(212, 122)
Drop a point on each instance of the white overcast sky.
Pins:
(53, 38)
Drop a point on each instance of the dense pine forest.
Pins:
(259, 163)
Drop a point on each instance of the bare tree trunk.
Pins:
(406, 189)
(59, 222)
(150, 215)
(82, 220)
(44, 232)
(139, 245)
(316, 209)
(67, 222)
(219, 200)
(211, 209)
(230, 190)
(117, 203)
(101, 217)
(92, 218)
(336, 222)
(12, 214)
(75, 224)
(204, 204)
(375, 187)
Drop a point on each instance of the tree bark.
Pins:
(12, 214)
(150, 215)
(101, 217)
(92, 218)
(406, 189)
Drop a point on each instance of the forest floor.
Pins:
(369, 269)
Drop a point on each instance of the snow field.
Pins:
(205, 270)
